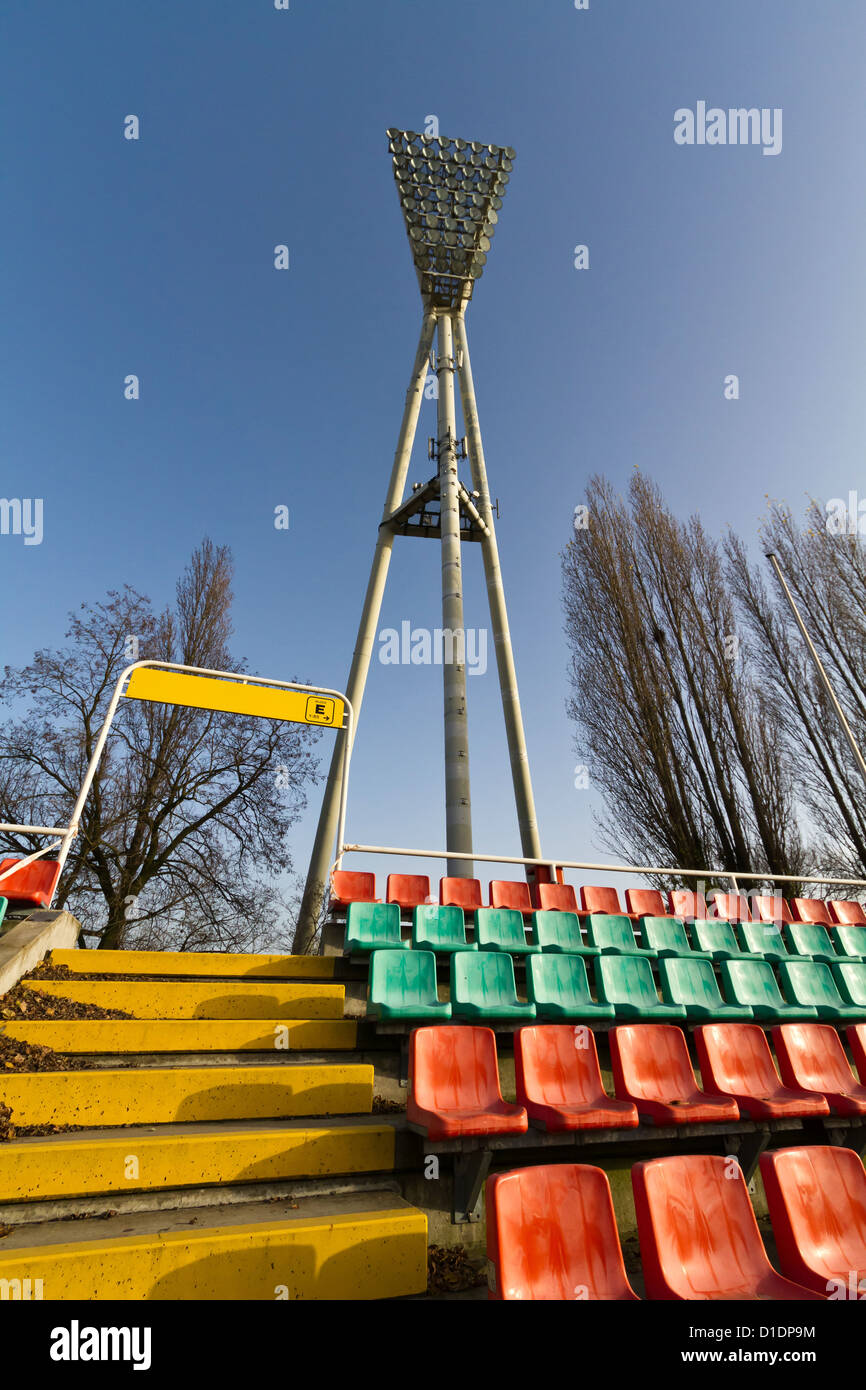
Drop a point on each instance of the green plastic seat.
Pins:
(4, 903)
(614, 936)
(851, 980)
(402, 984)
(482, 986)
(752, 982)
(851, 943)
(808, 982)
(763, 939)
(667, 936)
(558, 987)
(627, 983)
(813, 942)
(502, 929)
(692, 982)
(719, 940)
(560, 932)
(441, 929)
(372, 926)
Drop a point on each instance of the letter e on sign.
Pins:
(320, 710)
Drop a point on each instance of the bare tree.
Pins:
(690, 755)
(188, 818)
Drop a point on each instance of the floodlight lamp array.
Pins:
(450, 192)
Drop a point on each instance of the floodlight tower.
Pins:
(450, 193)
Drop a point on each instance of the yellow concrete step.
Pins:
(197, 963)
(114, 1036)
(363, 1246)
(163, 1095)
(74, 1165)
(202, 999)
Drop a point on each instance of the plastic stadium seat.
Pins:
(560, 931)
(851, 981)
(850, 942)
(454, 1085)
(817, 1202)
(752, 982)
(482, 986)
(370, 926)
(770, 907)
(614, 936)
(558, 987)
(558, 1080)
(4, 903)
(601, 900)
(811, 1055)
(806, 982)
(551, 1234)
(731, 907)
(735, 1060)
(815, 942)
(698, 1235)
(557, 897)
(652, 1068)
(510, 895)
(667, 937)
(764, 939)
(33, 885)
(460, 892)
(847, 914)
(441, 929)
(402, 984)
(692, 982)
(683, 902)
(810, 910)
(502, 929)
(349, 887)
(627, 983)
(719, 940)
(408, 890)
(645, 902)
(856, 1036)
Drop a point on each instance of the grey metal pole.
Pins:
(458, 809)
(819, 665)
(520, 775)
(320, 859)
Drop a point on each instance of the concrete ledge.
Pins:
(26, 945)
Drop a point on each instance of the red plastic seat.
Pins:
(812, 911)
(504, 893)
(409, 890)
(645, 902)
(817, 1202)
(685, 903)
(846, 914)
(558, 1080)
(350, 887)
(557, 897)
(551, 1234)
(731, 907)
(454, 1084)
(698, 1235)
(811, 1056)
(770, 907)
(604, 900)
(856, 1036)
(651, 1067)
(460, 892)
(33, 885)
(735, 1060)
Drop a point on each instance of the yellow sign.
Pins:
(233, 697)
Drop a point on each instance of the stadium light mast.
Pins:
(450, 194)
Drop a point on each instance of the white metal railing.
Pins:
(66, 834)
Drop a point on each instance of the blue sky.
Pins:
(261, 388)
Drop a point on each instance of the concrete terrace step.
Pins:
(358, 1246)
(200, 964)
(159, 999)
(118, 1036)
